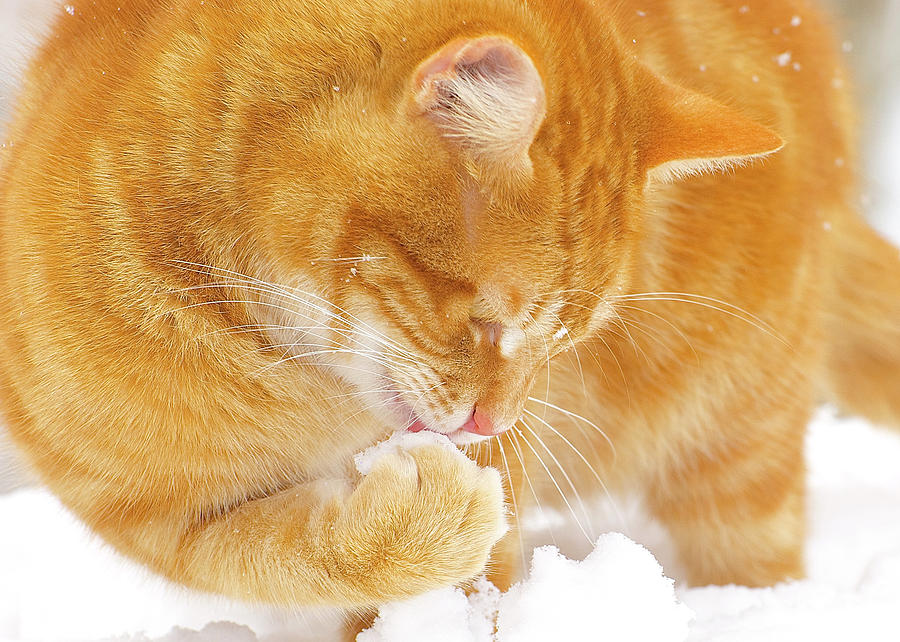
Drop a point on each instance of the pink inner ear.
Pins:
(438, 65)
(484, 94)
(492, 56)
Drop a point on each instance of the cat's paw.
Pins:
(420, 520)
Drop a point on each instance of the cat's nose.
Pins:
(481, 424)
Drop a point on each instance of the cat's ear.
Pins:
(688, 133)
(486, 95)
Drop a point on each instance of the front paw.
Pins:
(421, 520)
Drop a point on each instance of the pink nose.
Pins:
(480, 424)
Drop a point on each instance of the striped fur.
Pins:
(238, 244)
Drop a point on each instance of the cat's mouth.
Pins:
(465, 434)
(462, 436)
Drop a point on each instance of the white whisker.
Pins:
(578, 498)
(290, 292)
(565, 334)
(512, 495)
(590, 423)
(365, 258)
(514, 442)
(599, 479)
(667, 322)
(554, 482)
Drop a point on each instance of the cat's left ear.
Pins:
(688, 133)
(486, 96)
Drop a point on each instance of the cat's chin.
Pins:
(465, 438)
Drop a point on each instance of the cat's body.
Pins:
(171, 161)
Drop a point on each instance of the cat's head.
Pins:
(453, 206)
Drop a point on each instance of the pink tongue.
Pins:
(417, 426)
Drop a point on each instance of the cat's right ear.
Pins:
(485, 95)
(687, 133)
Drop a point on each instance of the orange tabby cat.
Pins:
(241, 241)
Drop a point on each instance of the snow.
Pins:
(213, 632)
(399, 441)
(445, 616)
(616, 585)
(611, 592)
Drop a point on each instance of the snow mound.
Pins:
(607, 596)
(806, 610)
(446, 615)
(214, 632)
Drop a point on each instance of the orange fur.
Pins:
(241, 241)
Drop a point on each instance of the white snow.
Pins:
(610, 594)
(400, 441)
(444, 616)
(611, 591)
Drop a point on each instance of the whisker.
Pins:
(571, 343)
(758, 326)
(373, 355)
(514, 442)
(638, 350)
(628, 334)
(378, 404)
(549, 366)
(389, 353)
(289, 292)
(612, 353)
(686, 297)
(599, 479)
(707, 302)
(554, 482)
(512, 494)
(298, 358)
(418, 400)
(667, 322)
(365, 258)
(578, 498)
(294, 312)
(359, 393)
(590, 423)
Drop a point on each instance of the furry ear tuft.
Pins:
(690, 134)
(486, 95)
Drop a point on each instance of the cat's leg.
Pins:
(736, 511)
(863, 319)
(505, 566)
(420, 520)
(356, 622)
